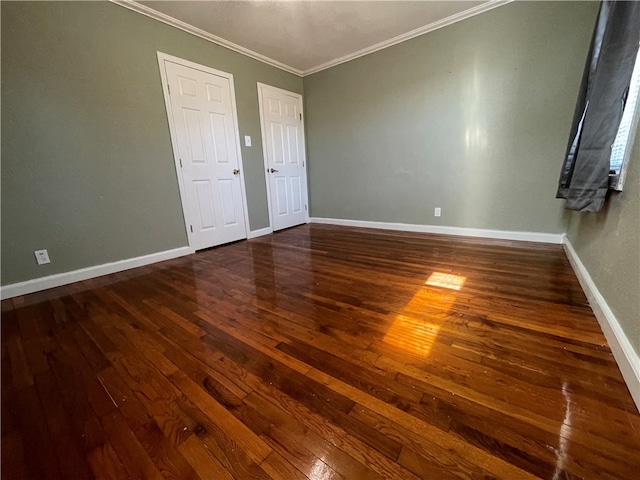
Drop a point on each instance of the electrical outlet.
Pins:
(437, 211)
(42, 257)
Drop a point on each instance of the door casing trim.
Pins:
(162, 57)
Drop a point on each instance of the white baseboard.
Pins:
(465, 232)
(259, 233)
(37, 284)
(626, 357)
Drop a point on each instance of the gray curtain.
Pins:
(584, 180)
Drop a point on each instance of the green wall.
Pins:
(472, 118)
(608, 244)
(87, 165)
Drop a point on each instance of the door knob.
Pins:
(273, 170)
(236, 171)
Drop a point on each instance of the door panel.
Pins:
(281, 195)
(293, 150)
(277, 157)
(188, 86)
(226, 200)
(296, 194)
(194, 135)
(220, 147)
(206, 135)
(204, 199)
(283, 134)
(214, 93)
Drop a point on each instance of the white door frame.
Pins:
(264, 149)
(174, 138)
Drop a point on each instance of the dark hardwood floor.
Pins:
(318, 353)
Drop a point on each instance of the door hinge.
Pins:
(300, 116)
(191, 227)
(303, 163)
(169, 88)
(180, 162)
(305, 207)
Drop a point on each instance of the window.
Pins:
(621, 147)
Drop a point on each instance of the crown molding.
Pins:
(457, 17)
(174, 22)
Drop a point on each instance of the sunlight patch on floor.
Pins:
(446, 280)
(412, 334)
(409, 331)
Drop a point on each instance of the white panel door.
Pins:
(206, 135)
(283, 137)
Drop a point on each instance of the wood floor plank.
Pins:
(203, 461)
(40, 458)
(279, 469)
(255, 447)
(319, 352)
(131, 453)
(237, 458)
(105, 463)
(13, 461)
(73, 462)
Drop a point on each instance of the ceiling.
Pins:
(307, 36)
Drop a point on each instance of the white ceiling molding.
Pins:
(169, 20)
(411, 34)
(174, 22)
